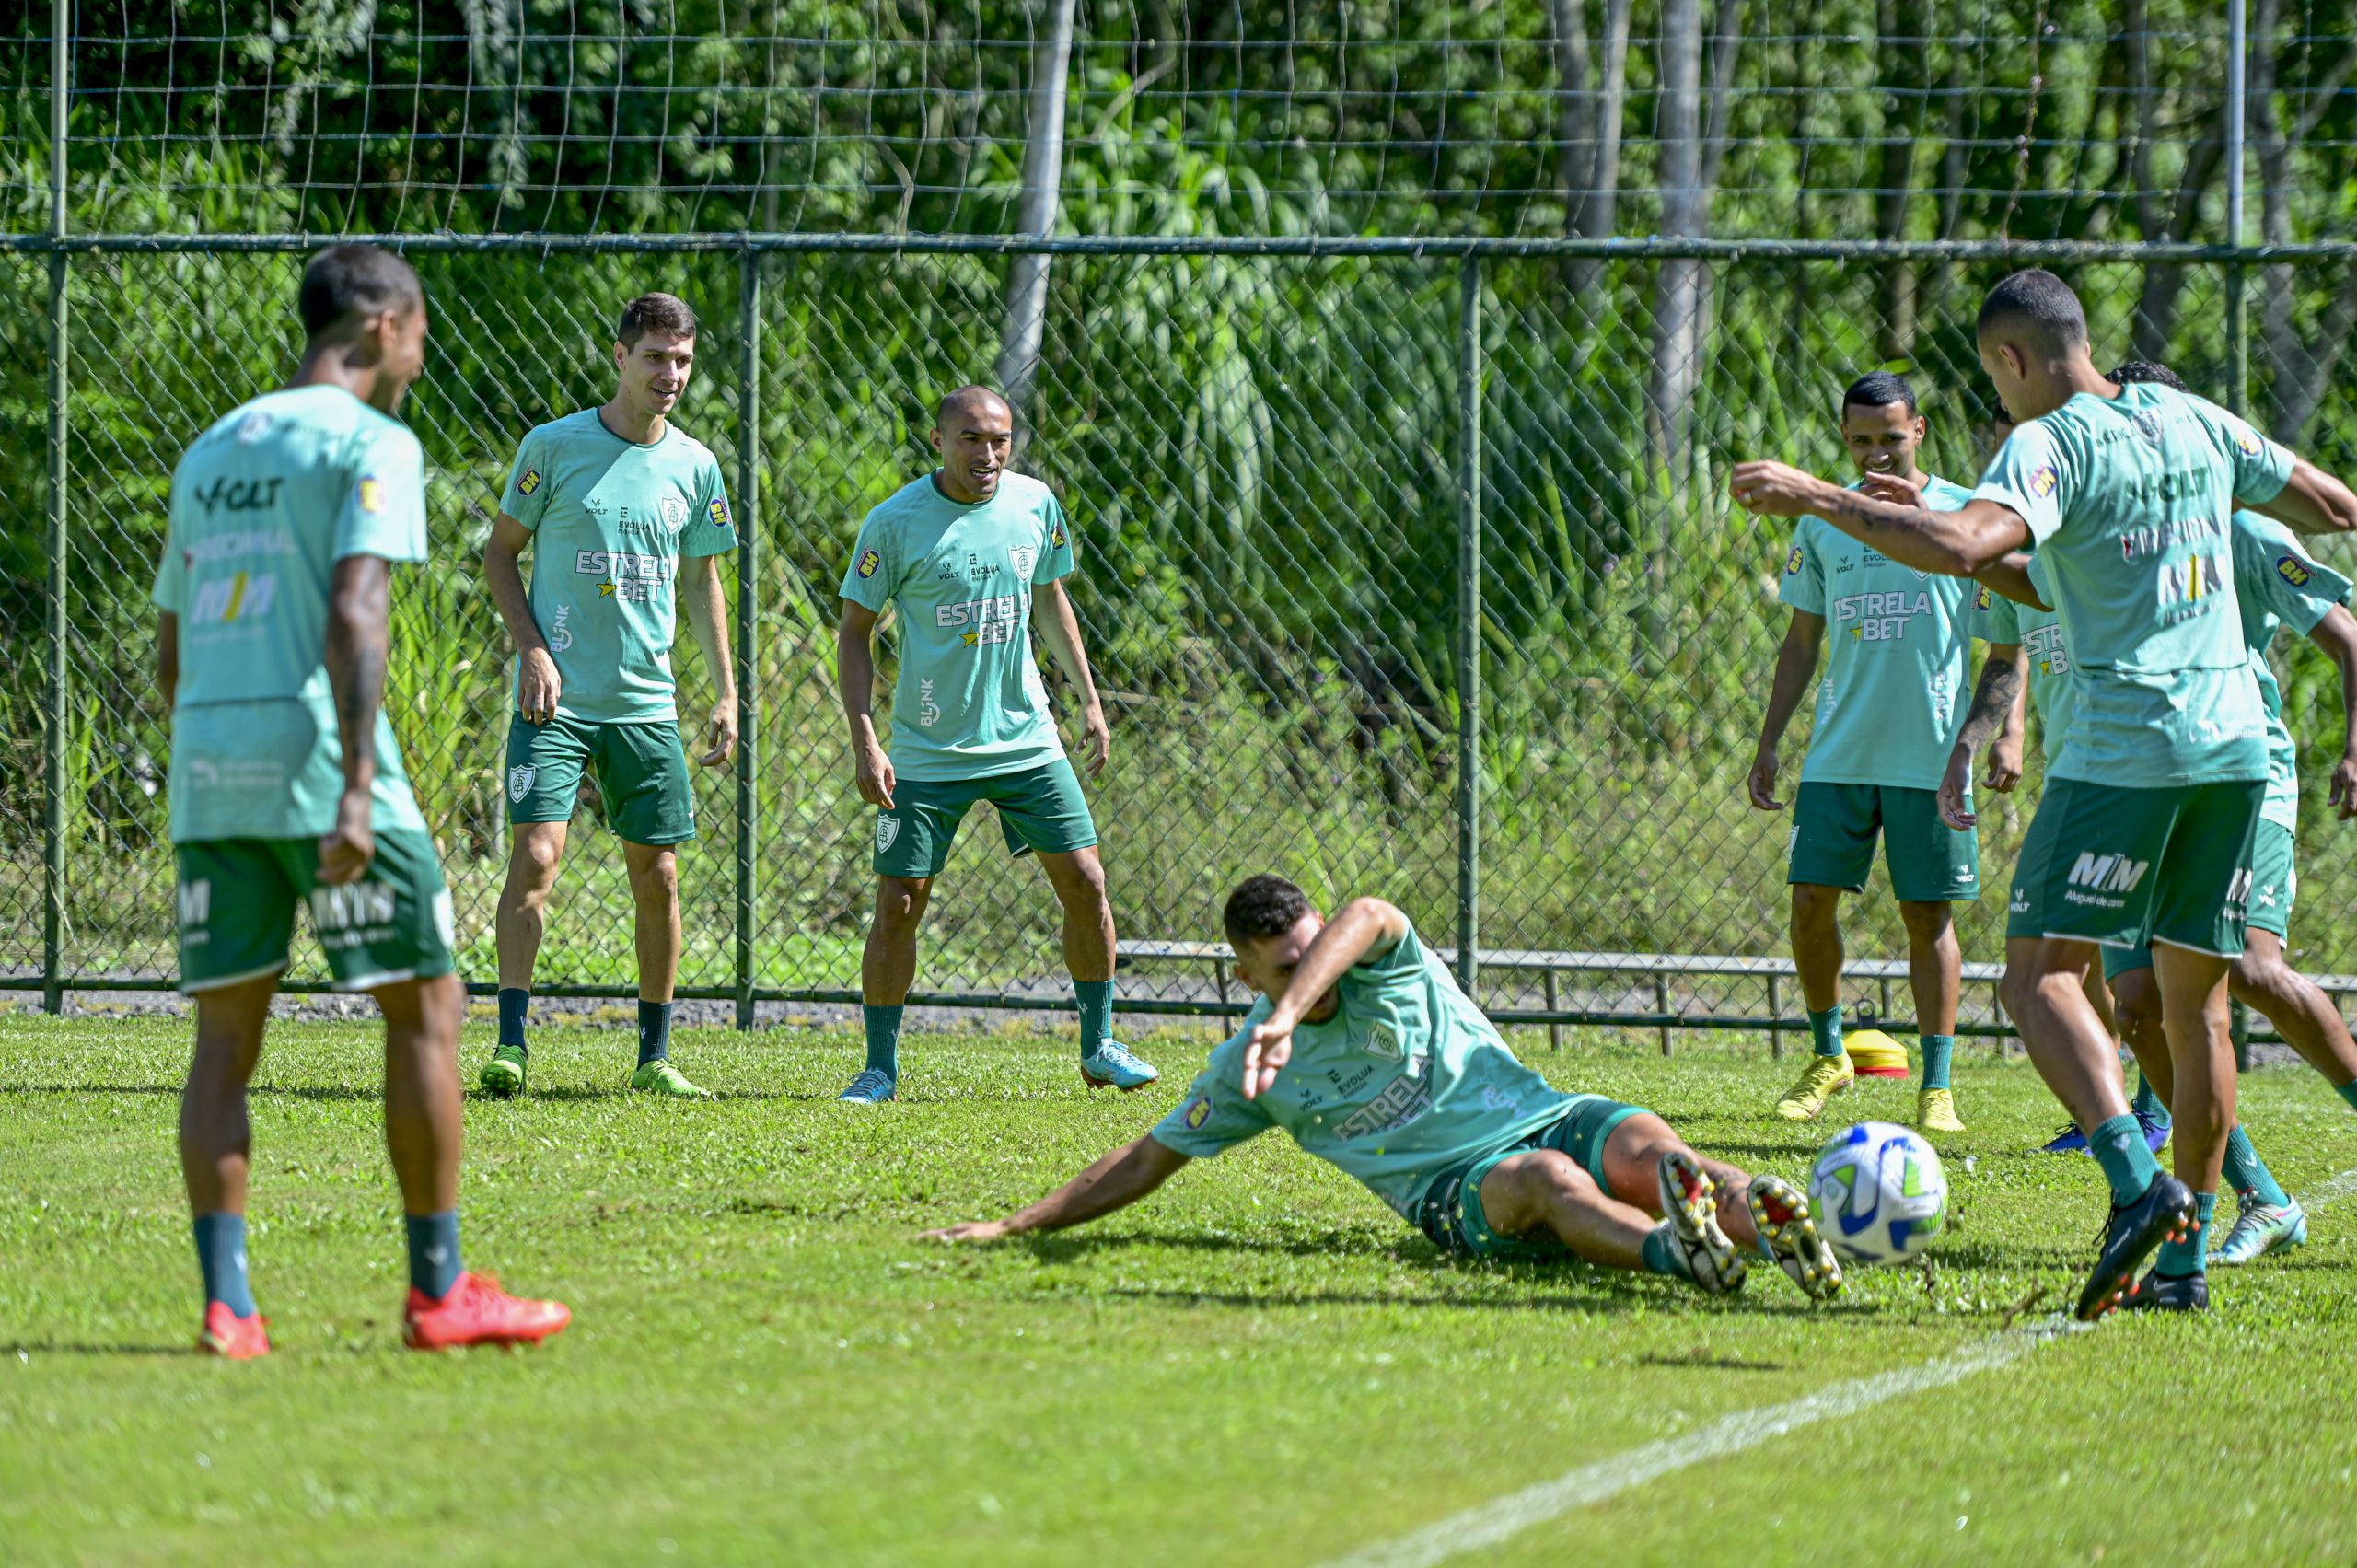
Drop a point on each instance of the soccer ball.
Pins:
(1879, 1193)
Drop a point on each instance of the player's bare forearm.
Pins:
(2009, 576)
(1954, 544)
(2337, 635)
(1993, 699)
(1795, 668)
(1060, 629)
(168, 657)
(2311, 501)
(1114, 1182)
(359, 642)
(504, 576)
(855, 671)
(708, 621)
(1363, 926)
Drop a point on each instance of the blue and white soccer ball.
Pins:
(1879, 1194)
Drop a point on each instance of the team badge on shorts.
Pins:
(519, 782)
(887, 827)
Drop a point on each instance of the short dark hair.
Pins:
(347, 280)
(2037, 300)
(1262, 907)
(2150, 374)
(975, 394)
(1878, 388)
(665, 313)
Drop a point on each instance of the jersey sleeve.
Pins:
(1055, 548)
(2276, 570)
(2262, 468)
(872, 571)
(2027, 475)
(1999, 621)
(713, 530)
(1802, 586)
(525, 499)
(1215, 1117)
(384, 510)
(170, 593)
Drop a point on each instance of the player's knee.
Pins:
(1925, 921)
(1522, 1190)
(901, 899)
(2258, 981)
(1814, 907)
(537, 858)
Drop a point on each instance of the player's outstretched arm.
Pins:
(537, 688)
(707, 605)
(1795, 668)
(1116, 1181)
(2337, 635)
(1364, 926)
(360, 598)
(2009, 575)
(2311, 501)
(1956, 544)
(855, 684)
(1996, 711)
(1060, 629)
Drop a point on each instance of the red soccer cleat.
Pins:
(477, 1312)
(230, 1337)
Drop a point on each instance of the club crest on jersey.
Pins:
(519, 782)
(2042, 481)
(675, 512)
(1383, 1040)
(1023, 556)
(372, 493)
(530, 482)
(1793, 563)
(2146, 425)
(2292, 571)
(253, 427)
(887, 827)
(1198, 1112)
(868, 562)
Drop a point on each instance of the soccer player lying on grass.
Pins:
(1364, 1050)
(2145, 832)
(287, 785)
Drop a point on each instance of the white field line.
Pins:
(1490, 1523)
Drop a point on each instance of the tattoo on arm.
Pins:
(1992, 702)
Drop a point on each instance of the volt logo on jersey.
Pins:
(225, 495)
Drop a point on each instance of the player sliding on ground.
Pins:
(1364, 1050)
(288, 785)
(961, 552)
(2146, 829)
(2276, 583)
(1886, 715)
(626, 517)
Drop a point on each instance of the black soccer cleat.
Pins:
(2157, 1292)
(2132, 1235)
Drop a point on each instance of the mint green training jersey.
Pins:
(611, 520)
(1901, 653)
(2279, 584)
(2128, 499)
(264, 504)
(969, 703)
(1406, 1080)
(2045, 649)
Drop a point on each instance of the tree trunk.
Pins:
(1595, 213)
(1043, 164)
(1904, 64)
(2288, 359)
(2165, 282)
(1679, 286)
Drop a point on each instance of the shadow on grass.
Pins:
(329, 1092)
(77, 1347)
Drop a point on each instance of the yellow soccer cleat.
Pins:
(1874, 1054)
(1935, 1112)
(1824, 1078)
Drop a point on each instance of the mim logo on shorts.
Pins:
(196, 904)
(351, 908)
(2108, 873)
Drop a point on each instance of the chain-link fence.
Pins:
(1347, 518)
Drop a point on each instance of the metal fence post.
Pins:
(1469, 634)
(52, 914)
(749, 621)
(2237, 297)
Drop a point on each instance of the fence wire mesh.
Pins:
(1262, 458)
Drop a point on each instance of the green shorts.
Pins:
(2123, 867)
(1451, 1217)
(2272, 884)
(1833, 842)
(237, 912)
(1039, 808)
(642, 775)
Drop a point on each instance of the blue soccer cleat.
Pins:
(873, 1086)
(2130, 1234)
(2158, 1293)
(1113, 1067)
(2069, 1141)
(2156, 1130)
(2259, 1229)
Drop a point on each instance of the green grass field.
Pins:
(1259, 1366)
